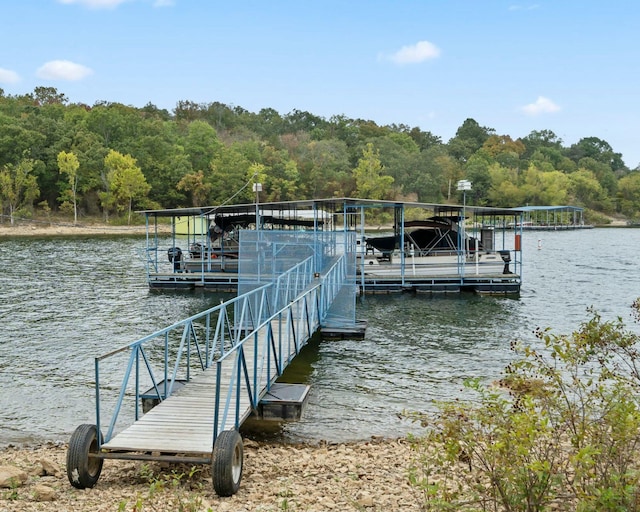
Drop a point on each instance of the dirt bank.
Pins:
(24, 229)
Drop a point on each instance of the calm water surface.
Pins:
(64, 301)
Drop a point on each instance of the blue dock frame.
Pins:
(347, 214)
(225, 358)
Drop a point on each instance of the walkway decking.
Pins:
(223, 395)
(184, 422)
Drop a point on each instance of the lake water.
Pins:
(67, 300)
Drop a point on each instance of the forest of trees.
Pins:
(110, 159)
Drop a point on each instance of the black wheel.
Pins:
(226, 463)
(83, 471)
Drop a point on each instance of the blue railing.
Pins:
(209, 334)
(276, 325)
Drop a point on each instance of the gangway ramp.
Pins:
(188, 420)
(228, 357)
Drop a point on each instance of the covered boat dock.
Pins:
(552, 218)
(400, 246)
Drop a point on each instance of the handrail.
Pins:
(275, 341)
(275, 333)
(215, 342)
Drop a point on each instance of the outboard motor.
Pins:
(175, 256)
(506, 257)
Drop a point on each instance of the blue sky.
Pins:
(568, 66)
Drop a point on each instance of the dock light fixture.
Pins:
(257, 188)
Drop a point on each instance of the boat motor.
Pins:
(174, 254)
(506, 257)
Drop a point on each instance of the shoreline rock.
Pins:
(365, 475)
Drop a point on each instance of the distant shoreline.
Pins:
(41, 228)
(30, 228)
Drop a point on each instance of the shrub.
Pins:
(562, 427)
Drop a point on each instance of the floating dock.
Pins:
(204, 262)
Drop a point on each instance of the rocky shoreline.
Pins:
(361, 476)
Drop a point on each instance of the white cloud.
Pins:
(419, 52)
(112, 4)
(63, 70)
(95, 4)
(541, 106)
(8, 77)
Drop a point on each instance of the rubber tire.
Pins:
(226, 463)
(83, 471)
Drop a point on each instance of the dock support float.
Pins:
(355, 332)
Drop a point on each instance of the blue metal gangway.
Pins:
(207, 373)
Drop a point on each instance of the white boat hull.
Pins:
(426, 266)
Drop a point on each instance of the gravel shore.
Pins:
(361, 476)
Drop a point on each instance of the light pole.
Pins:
(464, 185)
(257, 188)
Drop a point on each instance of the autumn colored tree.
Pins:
(126, 182)
(68, 164)
(194, 183)
(18, 187)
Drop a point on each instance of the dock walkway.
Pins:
(185, 421)
(241, 347)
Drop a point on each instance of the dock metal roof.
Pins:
(336, 205)
(550, 208)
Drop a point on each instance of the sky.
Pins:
(568, 66)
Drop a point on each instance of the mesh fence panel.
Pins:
(265, 255)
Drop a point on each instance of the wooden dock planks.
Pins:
(184, 422)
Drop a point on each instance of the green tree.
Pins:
(544, 188)
(370, 182)
(398, 153)
(603, 173)
(229, 177)
(324, 168)
(540, 139)
(629, 195)
(201, 145)
(599, 150)
(282, 179)
(428, 174)
(477, 172)
(468, 139)
(18, 187)
(160, 151)
(126, 182)
(504, 191)
(586, 190)
(69, 165)
(48, 96)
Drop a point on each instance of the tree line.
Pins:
(110, 159)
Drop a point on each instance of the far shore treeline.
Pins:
(110, 159)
